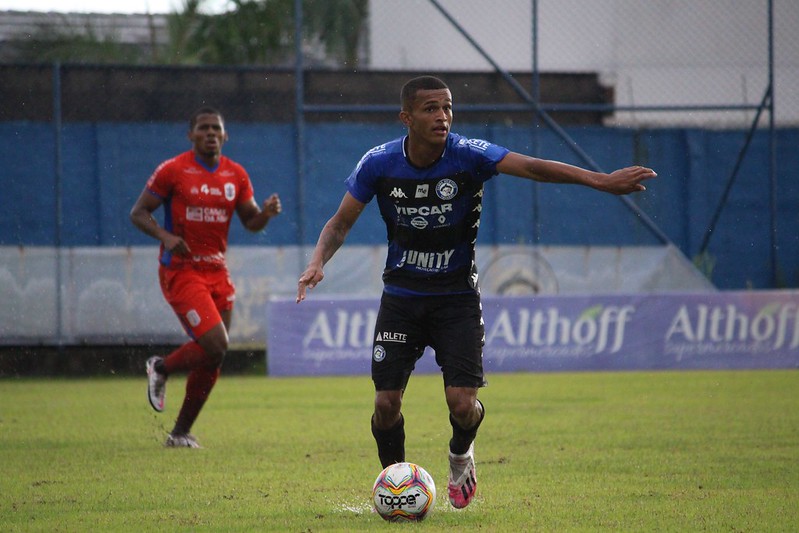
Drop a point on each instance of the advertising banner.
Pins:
(721, 330)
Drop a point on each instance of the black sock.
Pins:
(463, 438)
(390, 442)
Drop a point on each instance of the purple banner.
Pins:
(551, 333)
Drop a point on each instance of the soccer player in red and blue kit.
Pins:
(200, 190)
(429, 189)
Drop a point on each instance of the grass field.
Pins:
(686, 451)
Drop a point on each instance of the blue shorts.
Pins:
(452, 325)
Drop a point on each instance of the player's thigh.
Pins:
(399, 341)
(190, 297)
(458, 336)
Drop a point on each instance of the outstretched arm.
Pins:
(622, 181)
(330, 240)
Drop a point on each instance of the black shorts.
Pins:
(451, 325)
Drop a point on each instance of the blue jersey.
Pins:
(431, 214)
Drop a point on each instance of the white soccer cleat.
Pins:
(156, 384)
(462, 478)
(185, 440)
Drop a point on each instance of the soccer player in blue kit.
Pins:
(429, 188)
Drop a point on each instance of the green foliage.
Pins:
(61, 41)
(251, 32)
(668, 451)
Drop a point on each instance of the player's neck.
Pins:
(208, 160)
(423, 154)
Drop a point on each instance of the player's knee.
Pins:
(387, 405)
(463, 406)
(215, 358)
(215, 345)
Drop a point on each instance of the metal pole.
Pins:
(772, 148)
(59, 218)
(536, 94)
(299, 124)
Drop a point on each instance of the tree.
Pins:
(77, 41)
(261, 32)
(251, 32)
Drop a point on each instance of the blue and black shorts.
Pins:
(452, 325)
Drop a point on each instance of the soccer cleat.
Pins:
(184, 440)
(462, 478)
(156, 384)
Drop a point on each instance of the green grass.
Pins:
(667, 451)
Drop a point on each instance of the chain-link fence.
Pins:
(703, 63)
(700, 91)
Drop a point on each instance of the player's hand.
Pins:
(176, 245)
(272, 205)
(628, 180)
(308, 280)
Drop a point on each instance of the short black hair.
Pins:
(421, 83)
(204, 110)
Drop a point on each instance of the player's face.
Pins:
(430, 117)
(208, 135)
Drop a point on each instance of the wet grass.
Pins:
(668, 451)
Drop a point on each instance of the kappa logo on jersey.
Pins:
(230, 192)
(446, 189)
(391, 336)
(422, 190)
(397, 193)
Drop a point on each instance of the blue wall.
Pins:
(105, 166)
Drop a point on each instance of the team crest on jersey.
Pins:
(379, 353)
(230, 192)
(446, 189)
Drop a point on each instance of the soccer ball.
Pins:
(404, 492)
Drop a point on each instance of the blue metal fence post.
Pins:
(299, 123)
(59, 220)
(772, 171)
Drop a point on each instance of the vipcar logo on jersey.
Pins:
(230, 192)
(446, 189)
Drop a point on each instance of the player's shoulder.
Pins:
(231, 165)
(460, 142)
(386, 149)
(379, 156)
(173, 164)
